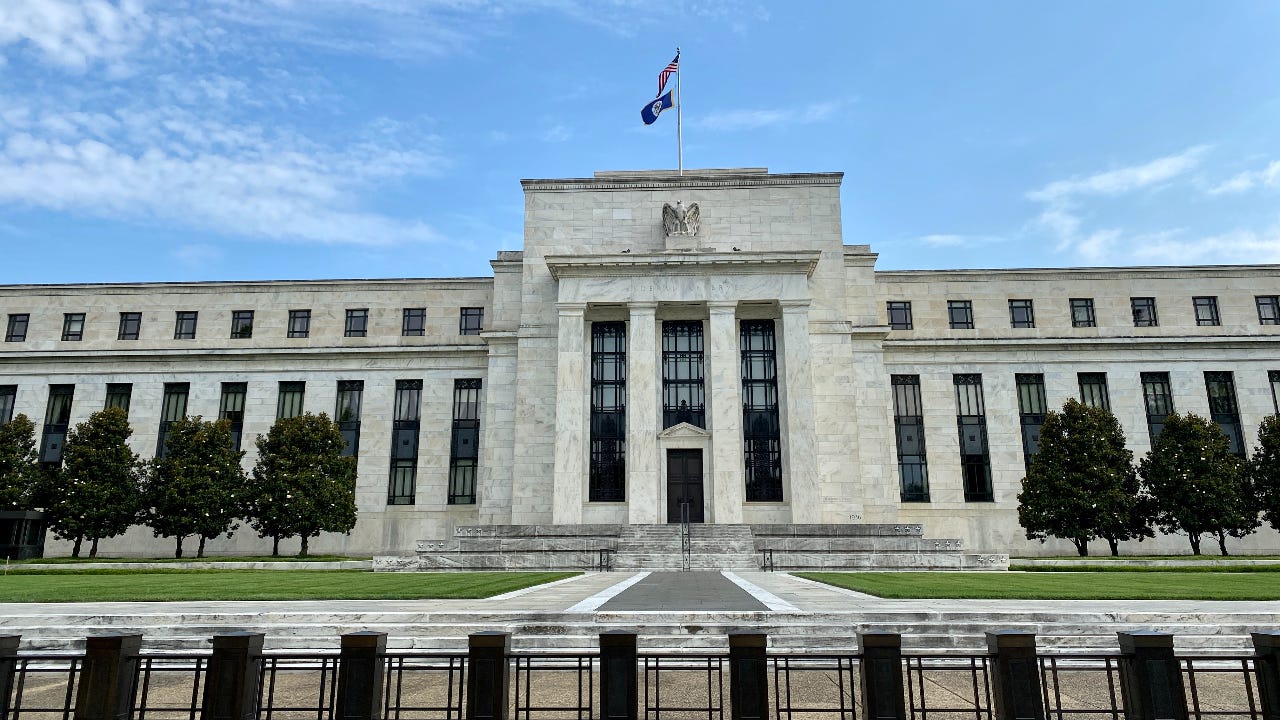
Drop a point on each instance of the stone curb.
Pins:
(1021, 563)
(198, 565)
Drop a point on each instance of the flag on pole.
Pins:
(671, 67)
(654, 108)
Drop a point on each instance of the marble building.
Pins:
(664, 346)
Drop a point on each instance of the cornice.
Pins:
(1167, 342)
(247, 286)
(736, 263)
(692, 180)
(82, 356)
(1078, 273)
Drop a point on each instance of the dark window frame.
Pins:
(8, 401)
(1273, 377)
(684, 373)
(1082, 313)
(413, 322)
(1094, 390)
(761, 428)
(73, 327)
(18, 326)
(971, 418)
(184, 324)
(130, 326)
(1224, 408)
(1022, 313)
(1144, 312)
(173, 407)
(607, 473)
(116, 391)
(231, 405)
(470, 320)
(464, 445)
(1157, 402)
(357, 323)
(299, 323)
(898, 313)
(960, 314)
(346, 413)
(241, 324)
(1271, 314)
(57, 420)
(1206, 312)
(291, 398)
(1032, 408)
(405, 430)
(909, 434)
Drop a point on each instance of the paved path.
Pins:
(683, 591)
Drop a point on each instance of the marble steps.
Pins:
(712, 547)
(674, 561)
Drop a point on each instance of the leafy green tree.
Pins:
(1198, 486)
(1081, 484)
(199, 487)
(97, 492)
(302, 485)
(19, 464)
(1265, 469)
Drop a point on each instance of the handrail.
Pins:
(686, 542)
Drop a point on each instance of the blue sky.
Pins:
(257, 139)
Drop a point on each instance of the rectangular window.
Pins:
(119, 396)
(1223, 409)
(73, 327)
(1274, 377)
(761, 432)
(17, 328)
(683, 389)
(357, 324)
(1206, 310)
(960, 314)
(1022, 314)
(1157, 396)
(414, 322)
(464, 450)
(404, 442)
(173, 407)
(57, 418)
(231, 407)
(1268, 309)
(607, 477)
(470, 320)
(908, 423)
(899, 315)
(1144, 312)
(1093, 390)
(1032, 407)
(130, 326)
(241, 324)
(289, 402)
(1082, 313)
(8, 398)
(975, 459)
(184, 326)
(299, 323)
(347, 414)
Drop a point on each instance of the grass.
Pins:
(163, 585)
(1123, 558)
(1113, 585)
(210, 559)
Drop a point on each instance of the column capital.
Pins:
(571, 308)
(722, 306)
(649, 306)
(794, 306)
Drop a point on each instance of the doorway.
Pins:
(684, 485)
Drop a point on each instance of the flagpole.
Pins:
(679, 120)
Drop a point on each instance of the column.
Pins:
(724, 375)
(799, 440)
(643, 471)
(571, 415)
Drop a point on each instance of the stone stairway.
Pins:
(712, 547)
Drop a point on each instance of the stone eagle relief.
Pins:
(680, 220)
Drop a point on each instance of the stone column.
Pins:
(799, 441)
(643, 470)
(571, 415)
(725, 378)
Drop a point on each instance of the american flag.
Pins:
(671, 67)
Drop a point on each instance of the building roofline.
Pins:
(1083, 272)
(662, 179)
(201, 284)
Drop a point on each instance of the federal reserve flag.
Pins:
(654, 108)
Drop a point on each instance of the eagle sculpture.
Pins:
(679, 220)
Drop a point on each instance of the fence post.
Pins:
(488, 675)
(1151, 677)
(748, 676)
(881, 674)
(106, 678)
(619, 694)
(231, 679)
(360, 671)
(8, 663)
(1016, 680)
(1266, 665)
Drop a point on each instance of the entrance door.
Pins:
(684, 484)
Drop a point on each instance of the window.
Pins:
(231, 408)
(172, 409)
(607, 477)
(1031, 411)
(17, 328)
(415, 322)
(1093, 390)
(908, 423)
(8, 398)
(404, 443)
(130, 326)
(1022, 314)
(357, 323)
(975, 459)
(1206, 310)
(1157, 396)
(241, 324)
(471, 321)
(184, 327)
(899, 315)
(1082, 313)
(464, 450)
(762, 444)
(289, 402)
(347, 414)
(1274, 377)
(299, 323)
(960, 314)
(118, 396)
(1223, 409)
(1268, 309)
(683, 391)
(1144, 312)
(57, 418)
(73, 327)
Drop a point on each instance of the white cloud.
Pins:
(1122, 180)
(75, 33)
(751, 119)
(1268, 177)
(950, 240)
(1236, 246)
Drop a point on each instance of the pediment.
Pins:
(684, 430)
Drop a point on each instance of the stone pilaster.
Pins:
(643, 472)
(800, 442)
(725, 379)
(571, 414)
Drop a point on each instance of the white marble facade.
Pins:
(769, 247)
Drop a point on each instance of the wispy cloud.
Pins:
(1236, 246)
(75, 34)
(751, 119)
(951, 240)
(1268, 177)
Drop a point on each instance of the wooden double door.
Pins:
(684, 485)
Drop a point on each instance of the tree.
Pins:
(1081, 484)
(97, 492)
(1265, 469)
(198, 487)
(1198, 485)
(302, 485)
(19, 464)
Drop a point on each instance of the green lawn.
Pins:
(155, 585)
(189, 558)
(1061, 585)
